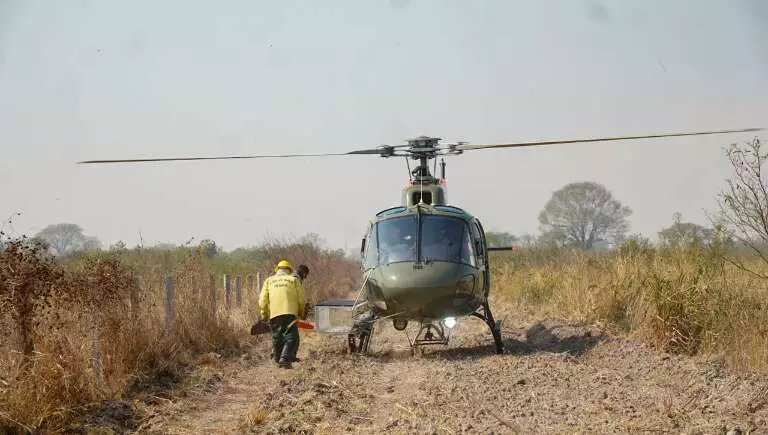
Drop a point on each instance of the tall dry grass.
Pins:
(78, 331)
(688, 300)
(55, 313)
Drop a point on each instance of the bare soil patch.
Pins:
(554, 376)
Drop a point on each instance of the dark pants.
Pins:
(285, 340)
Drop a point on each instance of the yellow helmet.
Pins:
(283, 264)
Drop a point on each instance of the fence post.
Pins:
(239, 290)
(169, 284)
(212, 292)
(258, 292)
(135, 298)
(95, 318)
(227, 292)
(248, 291)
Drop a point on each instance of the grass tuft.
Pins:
(256, 417)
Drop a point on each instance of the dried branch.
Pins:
(744, 206)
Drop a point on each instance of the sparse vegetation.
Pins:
(687, 300)
(90, 328)
(699, 291)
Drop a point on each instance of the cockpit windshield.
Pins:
(397, 239)
(441, 238)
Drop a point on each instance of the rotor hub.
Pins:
(426, 147)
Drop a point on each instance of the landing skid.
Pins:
(429, 333)
(494, 325)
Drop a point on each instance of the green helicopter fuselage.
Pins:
(424, 261)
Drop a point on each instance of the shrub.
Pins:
(689, 300)
(91, 327)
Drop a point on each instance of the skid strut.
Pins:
(429, 333)
(362, 331)
(494, 325)
(365, 340)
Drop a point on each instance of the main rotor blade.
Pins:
(465, 147)
(264, 156)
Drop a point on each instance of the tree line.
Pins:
(585, 215)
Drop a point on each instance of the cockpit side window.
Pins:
(371, 257)
(477, 235)
(468, 251)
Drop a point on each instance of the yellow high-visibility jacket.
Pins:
(282, 293)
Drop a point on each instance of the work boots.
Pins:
(288, 355)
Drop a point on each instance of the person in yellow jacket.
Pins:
(282, 302)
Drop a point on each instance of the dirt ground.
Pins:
(553, 377)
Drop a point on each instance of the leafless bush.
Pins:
(63, 309)
(331, 274)
(744, 206)
(28, 278)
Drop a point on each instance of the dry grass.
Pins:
(78, 333)
(58, 315)
(690, 301)
(254, 418)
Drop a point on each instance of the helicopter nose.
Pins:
(400, 287)
(405, 276)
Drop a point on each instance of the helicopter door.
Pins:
(370, 249)
(478, 234)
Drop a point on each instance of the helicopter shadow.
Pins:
(547, 336)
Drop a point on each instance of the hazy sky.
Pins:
(114, 79)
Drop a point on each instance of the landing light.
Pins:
(449, 322)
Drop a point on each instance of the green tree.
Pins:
(499, 239)
(527, 240)
(583, 213)
(65, 238)
(208, 248)
(552, 238)
(681, 234)
(118, 246)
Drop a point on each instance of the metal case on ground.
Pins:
(334, 316)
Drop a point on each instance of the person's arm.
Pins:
(264, 301)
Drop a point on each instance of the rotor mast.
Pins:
(425, 187)
(423, 149)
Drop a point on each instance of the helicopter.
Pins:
(423, 260)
